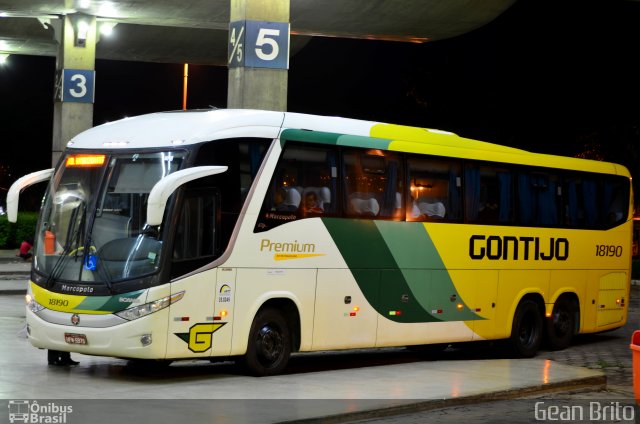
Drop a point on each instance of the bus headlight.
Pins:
(148, 308)
(32, 304)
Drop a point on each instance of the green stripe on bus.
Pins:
(309, 137)
(364, 142)
(423, 269)
(108, 303)
(375, 270)
(320, 137)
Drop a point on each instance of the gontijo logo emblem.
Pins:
(289, 250)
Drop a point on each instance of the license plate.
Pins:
(73, 338)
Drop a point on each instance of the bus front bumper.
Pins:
(144, 338)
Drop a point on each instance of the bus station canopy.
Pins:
(195, 31)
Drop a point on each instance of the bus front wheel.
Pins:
(269, 344)
(526, 334)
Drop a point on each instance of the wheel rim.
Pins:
(562, 323)
(269, 344)
(528, 330)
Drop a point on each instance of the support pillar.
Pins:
(258, 54)
(74, 91)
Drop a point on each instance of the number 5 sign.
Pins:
(78, 85)
(257, 44)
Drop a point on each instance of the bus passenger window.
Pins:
(538, 199)
(488, 194)
(435, 189)
(372, 184)
(616, 200)
(304, 185)
(595, 203)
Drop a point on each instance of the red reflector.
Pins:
(478, 309)
(439, 311)
(352, 314)
(217, 318)
(398, 312)
(184, 319)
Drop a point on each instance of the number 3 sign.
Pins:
(78, 85)
(257, 44)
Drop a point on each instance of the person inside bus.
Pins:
(287, 200)
(311, 203)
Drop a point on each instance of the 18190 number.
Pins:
(608, 250)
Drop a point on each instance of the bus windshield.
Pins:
(92, 226)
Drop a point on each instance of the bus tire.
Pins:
(526, 333)
(561, 325)
(269, 344)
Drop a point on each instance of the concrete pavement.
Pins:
(14, 273)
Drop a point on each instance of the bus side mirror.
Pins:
(165, 187)
(13, 195)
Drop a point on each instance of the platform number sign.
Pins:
(257, 44)
(78, 85)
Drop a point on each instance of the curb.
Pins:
(595, 383)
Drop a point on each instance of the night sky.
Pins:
(551, 76)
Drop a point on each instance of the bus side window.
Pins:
(435, 189)
(616, 200)
(488, 194)
(581, 207)
(373, 184)
(538, 198)
(304, 185)
(595, 202)
(195, 241)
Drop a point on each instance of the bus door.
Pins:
(194, 320)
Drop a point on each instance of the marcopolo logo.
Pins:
(25, 411)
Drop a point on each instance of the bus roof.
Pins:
(172, 129)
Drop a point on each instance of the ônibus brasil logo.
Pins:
(25, 411)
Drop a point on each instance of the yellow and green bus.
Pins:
(254, 234)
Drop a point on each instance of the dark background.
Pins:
(550, 76)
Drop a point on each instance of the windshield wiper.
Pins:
(73, 241)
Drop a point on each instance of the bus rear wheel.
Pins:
(269, 344)
(526, 333)
(561, 325)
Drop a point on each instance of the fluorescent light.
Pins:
(83, 30)
(106, 28)
(107, 9)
